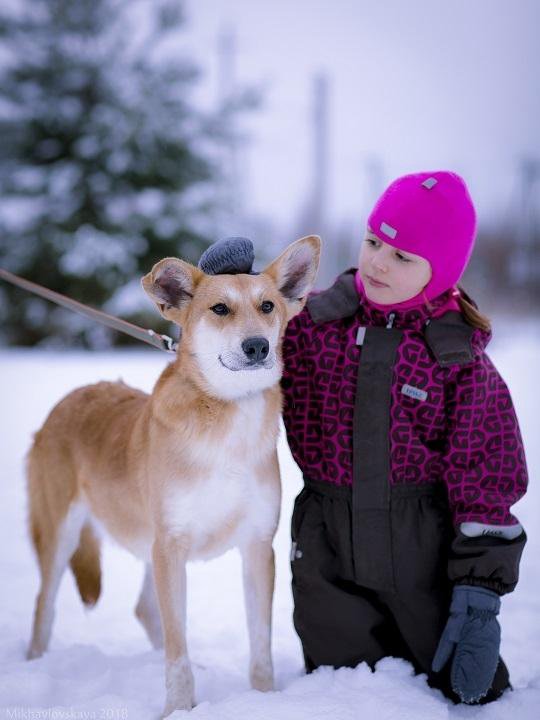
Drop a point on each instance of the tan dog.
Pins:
(184, 473)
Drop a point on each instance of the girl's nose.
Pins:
(379, 264)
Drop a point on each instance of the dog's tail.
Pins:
(51, 491)
(86, 566)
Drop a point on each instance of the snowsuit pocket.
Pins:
(306, 528)
(298, 513)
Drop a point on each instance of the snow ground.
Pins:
(100, 664)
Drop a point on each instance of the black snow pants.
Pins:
(341, 623)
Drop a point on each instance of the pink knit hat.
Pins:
(430, 214)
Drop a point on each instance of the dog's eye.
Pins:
(267, 306)
(220, 309)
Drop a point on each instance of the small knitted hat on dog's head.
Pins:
(230, 256)
(430, 214)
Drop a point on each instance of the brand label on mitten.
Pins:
(413, 392)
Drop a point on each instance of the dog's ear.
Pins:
(171, 284)
(294, 271)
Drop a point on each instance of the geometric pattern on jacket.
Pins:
(465, 432)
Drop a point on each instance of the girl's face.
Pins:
(390, 275)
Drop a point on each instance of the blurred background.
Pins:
(134, 130)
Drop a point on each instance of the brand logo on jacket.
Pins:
(413, 392)
(475, 529)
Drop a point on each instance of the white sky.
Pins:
(415, 84)
(419, 84)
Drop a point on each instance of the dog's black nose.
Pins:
(256, 348)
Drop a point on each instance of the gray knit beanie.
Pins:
(230, 256)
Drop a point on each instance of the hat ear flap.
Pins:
(170, 285)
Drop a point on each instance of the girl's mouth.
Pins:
(375, 283)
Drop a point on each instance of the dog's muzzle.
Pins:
(255, 357)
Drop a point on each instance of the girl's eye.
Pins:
(220, 309)
(374, 243)
(267, 306)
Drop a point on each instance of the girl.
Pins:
(403, 539)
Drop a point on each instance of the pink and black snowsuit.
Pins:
(412, 458)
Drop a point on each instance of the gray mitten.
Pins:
(473, 635)
(229, 256)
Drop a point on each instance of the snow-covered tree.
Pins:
(105, 162)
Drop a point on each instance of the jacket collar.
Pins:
(343, 300)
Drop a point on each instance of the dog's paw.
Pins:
(262, 677)
(180, 686)
(33, 652)
(171, 708)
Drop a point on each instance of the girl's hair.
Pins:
(471, 313)
(469, 310)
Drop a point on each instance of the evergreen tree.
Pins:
(105, 163)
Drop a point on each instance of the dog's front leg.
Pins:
(169, 556)
(258, 573)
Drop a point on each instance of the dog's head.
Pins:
(232, 325)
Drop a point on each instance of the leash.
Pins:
(162, 342)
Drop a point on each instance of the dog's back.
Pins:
(64, 460)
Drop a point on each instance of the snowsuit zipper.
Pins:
(372, 532)
(391, 319)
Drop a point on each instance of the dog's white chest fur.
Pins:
(228, 504)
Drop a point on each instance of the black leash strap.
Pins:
(162, 342)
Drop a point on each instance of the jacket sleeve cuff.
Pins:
(493, 585)
(486, 561)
